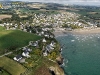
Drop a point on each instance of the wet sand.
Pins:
(60, 32)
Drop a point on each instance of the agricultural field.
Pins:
(87, 13)
(13, 39)
(4, 72)
(4, 16)
(36, 5)
(24, 11)
(11, 66)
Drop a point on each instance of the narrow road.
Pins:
(6, 54)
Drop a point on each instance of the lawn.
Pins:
(13, 39)
(11, 66)
(4, 72)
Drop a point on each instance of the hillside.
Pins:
(12, 39)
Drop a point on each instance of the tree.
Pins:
(15, 17)
(37, 52)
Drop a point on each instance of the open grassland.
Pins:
(1, 28)
(13, 39)
(4, 16)
(11, 66)
(4, 72)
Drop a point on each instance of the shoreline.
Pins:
(84, 31)
(61, 32)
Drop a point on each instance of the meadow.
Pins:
(13, 39)
(11, 66)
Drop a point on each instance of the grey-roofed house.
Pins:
(45, 53)
(26, 49)
(49, 48)
(34, 43)
(25, 54)
(52, 44)
(18, 57)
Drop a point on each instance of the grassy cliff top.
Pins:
(12, 39)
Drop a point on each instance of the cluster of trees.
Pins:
(52, 55)
(71, 26)
(7, 11)
(16, 19)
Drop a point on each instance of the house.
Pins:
(45, 53)
(26, 49)
(18, 58)
(2, 25)
(46, 35)
(52, 44)
(42, 33)
(30, 31)
(39, 34)
(51, 36)
(49, 48)
(30, 43)
(25, 54)
(44, 40)
(25, 30)
(35, 44)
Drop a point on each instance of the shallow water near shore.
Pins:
(81, 54)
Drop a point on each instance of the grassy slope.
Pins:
(11, 66)
(4, 72)
(12, 39)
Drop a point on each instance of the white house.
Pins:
(2, 25)
(26, 49)
(45, 53)
(25, 54)
(44, 40)
(52, 44)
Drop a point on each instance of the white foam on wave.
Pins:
(66, 61)
(72, 40)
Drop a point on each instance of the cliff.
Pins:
(57, 70)
(49, 68)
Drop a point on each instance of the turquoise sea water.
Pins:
(81, 53)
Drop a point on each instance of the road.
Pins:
(6, 54)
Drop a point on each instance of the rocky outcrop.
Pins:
(60, 60)
(56, 70)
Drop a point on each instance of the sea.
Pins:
(81, 53)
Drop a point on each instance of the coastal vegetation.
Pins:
(11, 66)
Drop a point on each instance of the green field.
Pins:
(13, 39)
(4, 72)
(11, 66)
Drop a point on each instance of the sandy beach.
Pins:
(62, 32)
